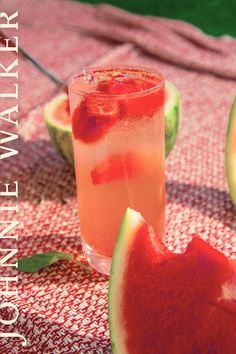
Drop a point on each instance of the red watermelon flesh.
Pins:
(161, 302)
(136, 106)
(128, 85)
(62, 112)
(97, 113)
(120, 166)
(93, 118)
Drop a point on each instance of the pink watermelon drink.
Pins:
(119, 151)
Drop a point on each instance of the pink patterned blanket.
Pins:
(63, 310)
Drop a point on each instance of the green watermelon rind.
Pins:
(172, 116)
(230, 157)
(129, 225)
(61, 135)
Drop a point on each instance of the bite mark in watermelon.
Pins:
(161, 302)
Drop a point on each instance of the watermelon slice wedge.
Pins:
(167, 303)
(58, 121)
(231, 153)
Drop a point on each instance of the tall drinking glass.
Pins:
(119, 151)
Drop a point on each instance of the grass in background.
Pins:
(215, 17)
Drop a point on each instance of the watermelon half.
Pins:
(172, 115)
(231, 153)
(166, 303)
(58, 121)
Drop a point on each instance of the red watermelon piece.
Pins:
(120, 166)
(134, 106)
(98, 111)
(94, 117)
(167, 303)
(145, 105)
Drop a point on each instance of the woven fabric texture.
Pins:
(63, 310)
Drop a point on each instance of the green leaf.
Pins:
(41, 260)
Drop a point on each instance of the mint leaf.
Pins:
(41, 260)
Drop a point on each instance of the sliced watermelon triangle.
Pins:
(161, 302)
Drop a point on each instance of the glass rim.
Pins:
(113, 67)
